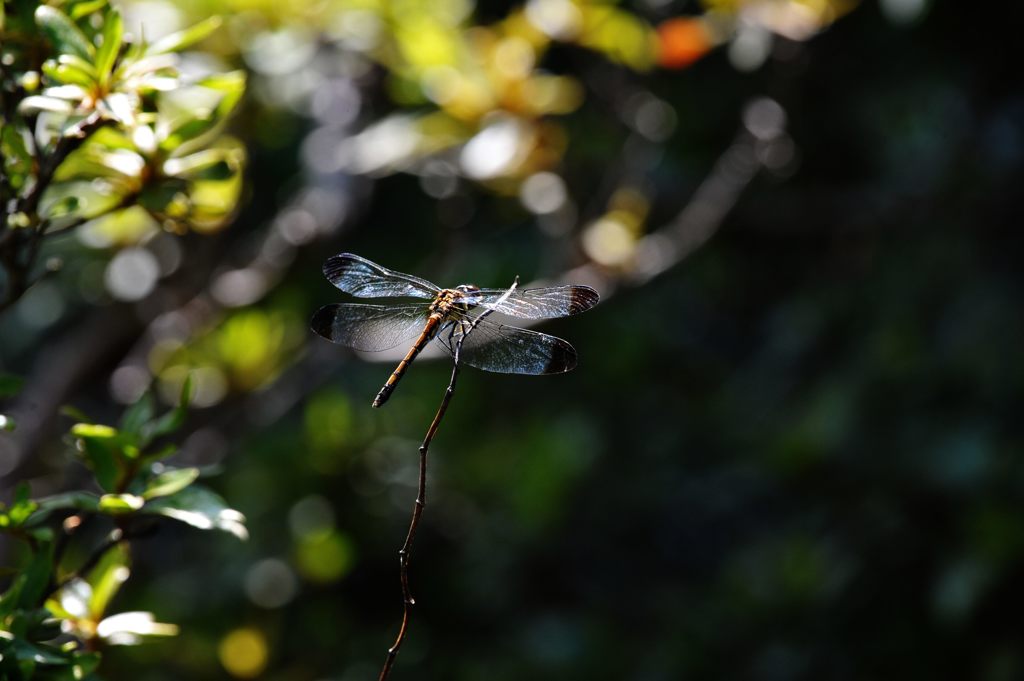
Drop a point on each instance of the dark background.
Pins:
(794, 455)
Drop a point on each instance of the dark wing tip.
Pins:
(583, 298)
(563, 358)
(322, 322)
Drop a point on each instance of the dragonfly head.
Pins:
(469, 299)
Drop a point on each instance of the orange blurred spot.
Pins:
(682, 41)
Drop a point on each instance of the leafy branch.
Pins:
(94, 122)
(46, 599)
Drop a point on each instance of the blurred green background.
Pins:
(790, 453)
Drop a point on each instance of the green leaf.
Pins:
(199, 162)
(132, 628)
(136, 417)
(167, 450)
(10, 384)
(147, 65)
(170, 482)
(76, 501)
(202, 508)
(106, 579)
(67, 75)
(101, 457)
(43, 655)
(38, 103)
(120, 504)
(81, 9)
(62, 32)
(23, 506)
(172, 420)
(74, 413)
(16, 161)
(113, 32)
(63, 207)
(76, 62)
(230, 84)
(73, 94)
(94, 431)
(202, 110)
(182, 39)
(37, 576)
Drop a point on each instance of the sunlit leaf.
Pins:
(121, 106)
(146, 65)
(87, 7)
(38, 103)
(198, 113)
(70, 93)
(202, 508)
(182, 39)
(67, 74)
(99, 447)
(170, 482)
(62, 32)
(113, 32)
(106, 579)
(94, 431)
(202, 162)
(22, 507)
(116, 504)
(132, 628)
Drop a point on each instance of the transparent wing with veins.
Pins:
(364, 279)
(505, 349)
(370, 328)
(537, 303)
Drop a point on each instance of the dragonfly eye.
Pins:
(469, 298)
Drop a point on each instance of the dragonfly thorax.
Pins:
(462, 297)
(469, 297)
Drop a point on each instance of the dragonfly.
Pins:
(452, 317)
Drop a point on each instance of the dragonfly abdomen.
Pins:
(429, 329)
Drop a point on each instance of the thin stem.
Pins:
(421, 489)
(405, 552)
(19, 247)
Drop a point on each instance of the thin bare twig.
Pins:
(421, 488)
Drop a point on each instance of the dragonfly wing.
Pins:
(539, 303)
(364, 279)
(508, 349)
(370, 328)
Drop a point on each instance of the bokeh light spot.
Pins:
(311, 515)
(270, 583)
(132, 274)
(243, 653)
(543, 193)
(682, 41)
(609, 242)
(324, 556)
(495, 150)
